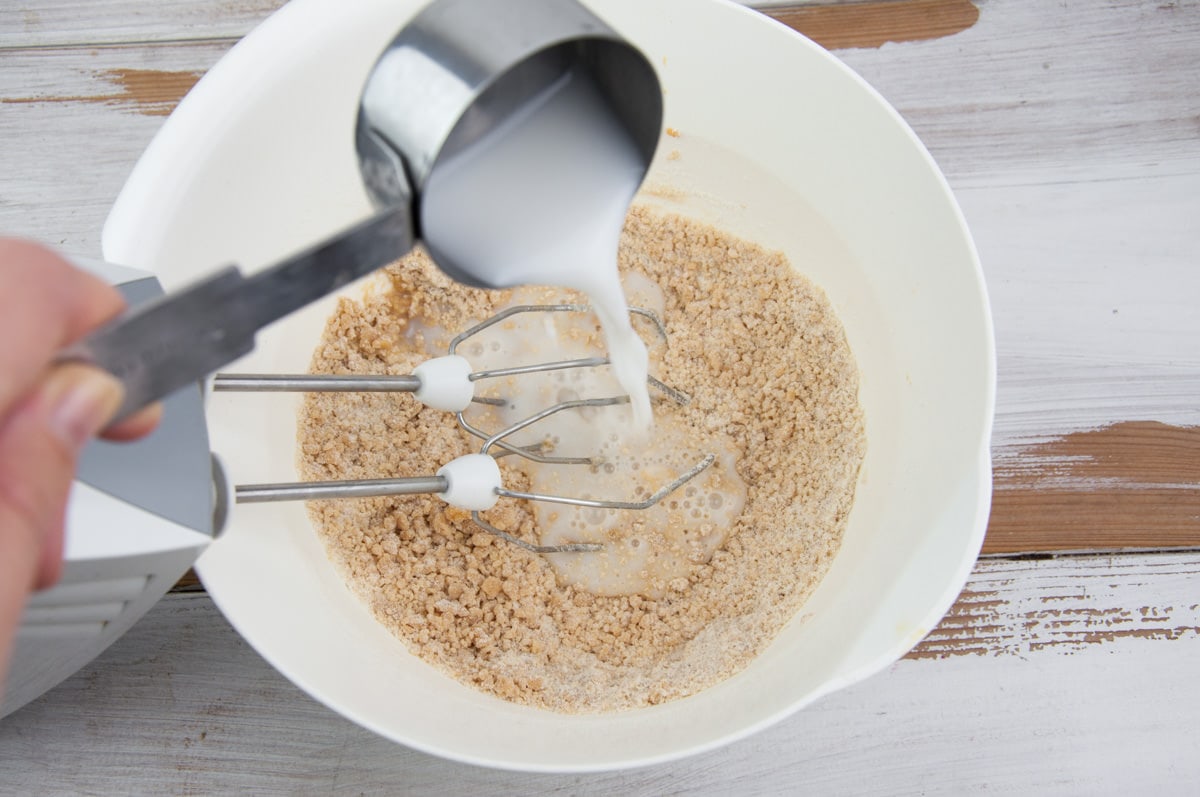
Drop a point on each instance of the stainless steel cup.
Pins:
(462, 67)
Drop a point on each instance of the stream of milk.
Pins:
(542, 200)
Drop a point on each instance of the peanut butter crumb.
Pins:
(765, 361)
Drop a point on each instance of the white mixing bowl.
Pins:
(779, 142)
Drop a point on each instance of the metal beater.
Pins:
(472, 481)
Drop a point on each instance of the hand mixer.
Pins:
(458, 70)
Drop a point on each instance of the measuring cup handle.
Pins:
(167, 343)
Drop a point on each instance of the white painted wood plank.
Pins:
(1070, 133)
(1069, 605)
(1094, 288)
(66, 159)
(1036, 85)
(48, 23)
(182, 705)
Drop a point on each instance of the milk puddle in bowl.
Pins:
(542, 201)
(643, 550)
(774, 392)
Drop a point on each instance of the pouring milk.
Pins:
(542, 200)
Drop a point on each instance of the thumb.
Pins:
(40, 443)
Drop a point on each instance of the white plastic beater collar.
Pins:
(472, 482)
(445, 383)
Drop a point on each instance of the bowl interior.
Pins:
(778, 142)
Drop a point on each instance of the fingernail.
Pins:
(82, 401)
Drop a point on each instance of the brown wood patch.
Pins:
(876, 22)
(147, 91)
(1130, 485)
(188, 582)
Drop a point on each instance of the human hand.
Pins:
(48, 412)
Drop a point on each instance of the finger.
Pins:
(138, 425)
(45, 304)
(40, 443)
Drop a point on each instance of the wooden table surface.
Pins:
(1070, 132)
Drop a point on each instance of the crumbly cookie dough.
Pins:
(766, 362)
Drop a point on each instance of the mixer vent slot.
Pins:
(80, 608)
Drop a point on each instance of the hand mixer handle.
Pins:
(163, 345)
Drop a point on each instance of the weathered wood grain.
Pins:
(1032, 88)
(1130, 485)
(73, 121)
(1073, 675)
(61, 23)
(153, 92)
(840, 25)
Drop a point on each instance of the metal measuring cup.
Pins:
(457, 70)
(462, 67)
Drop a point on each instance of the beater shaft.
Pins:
(360, 488)
(319, 383)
